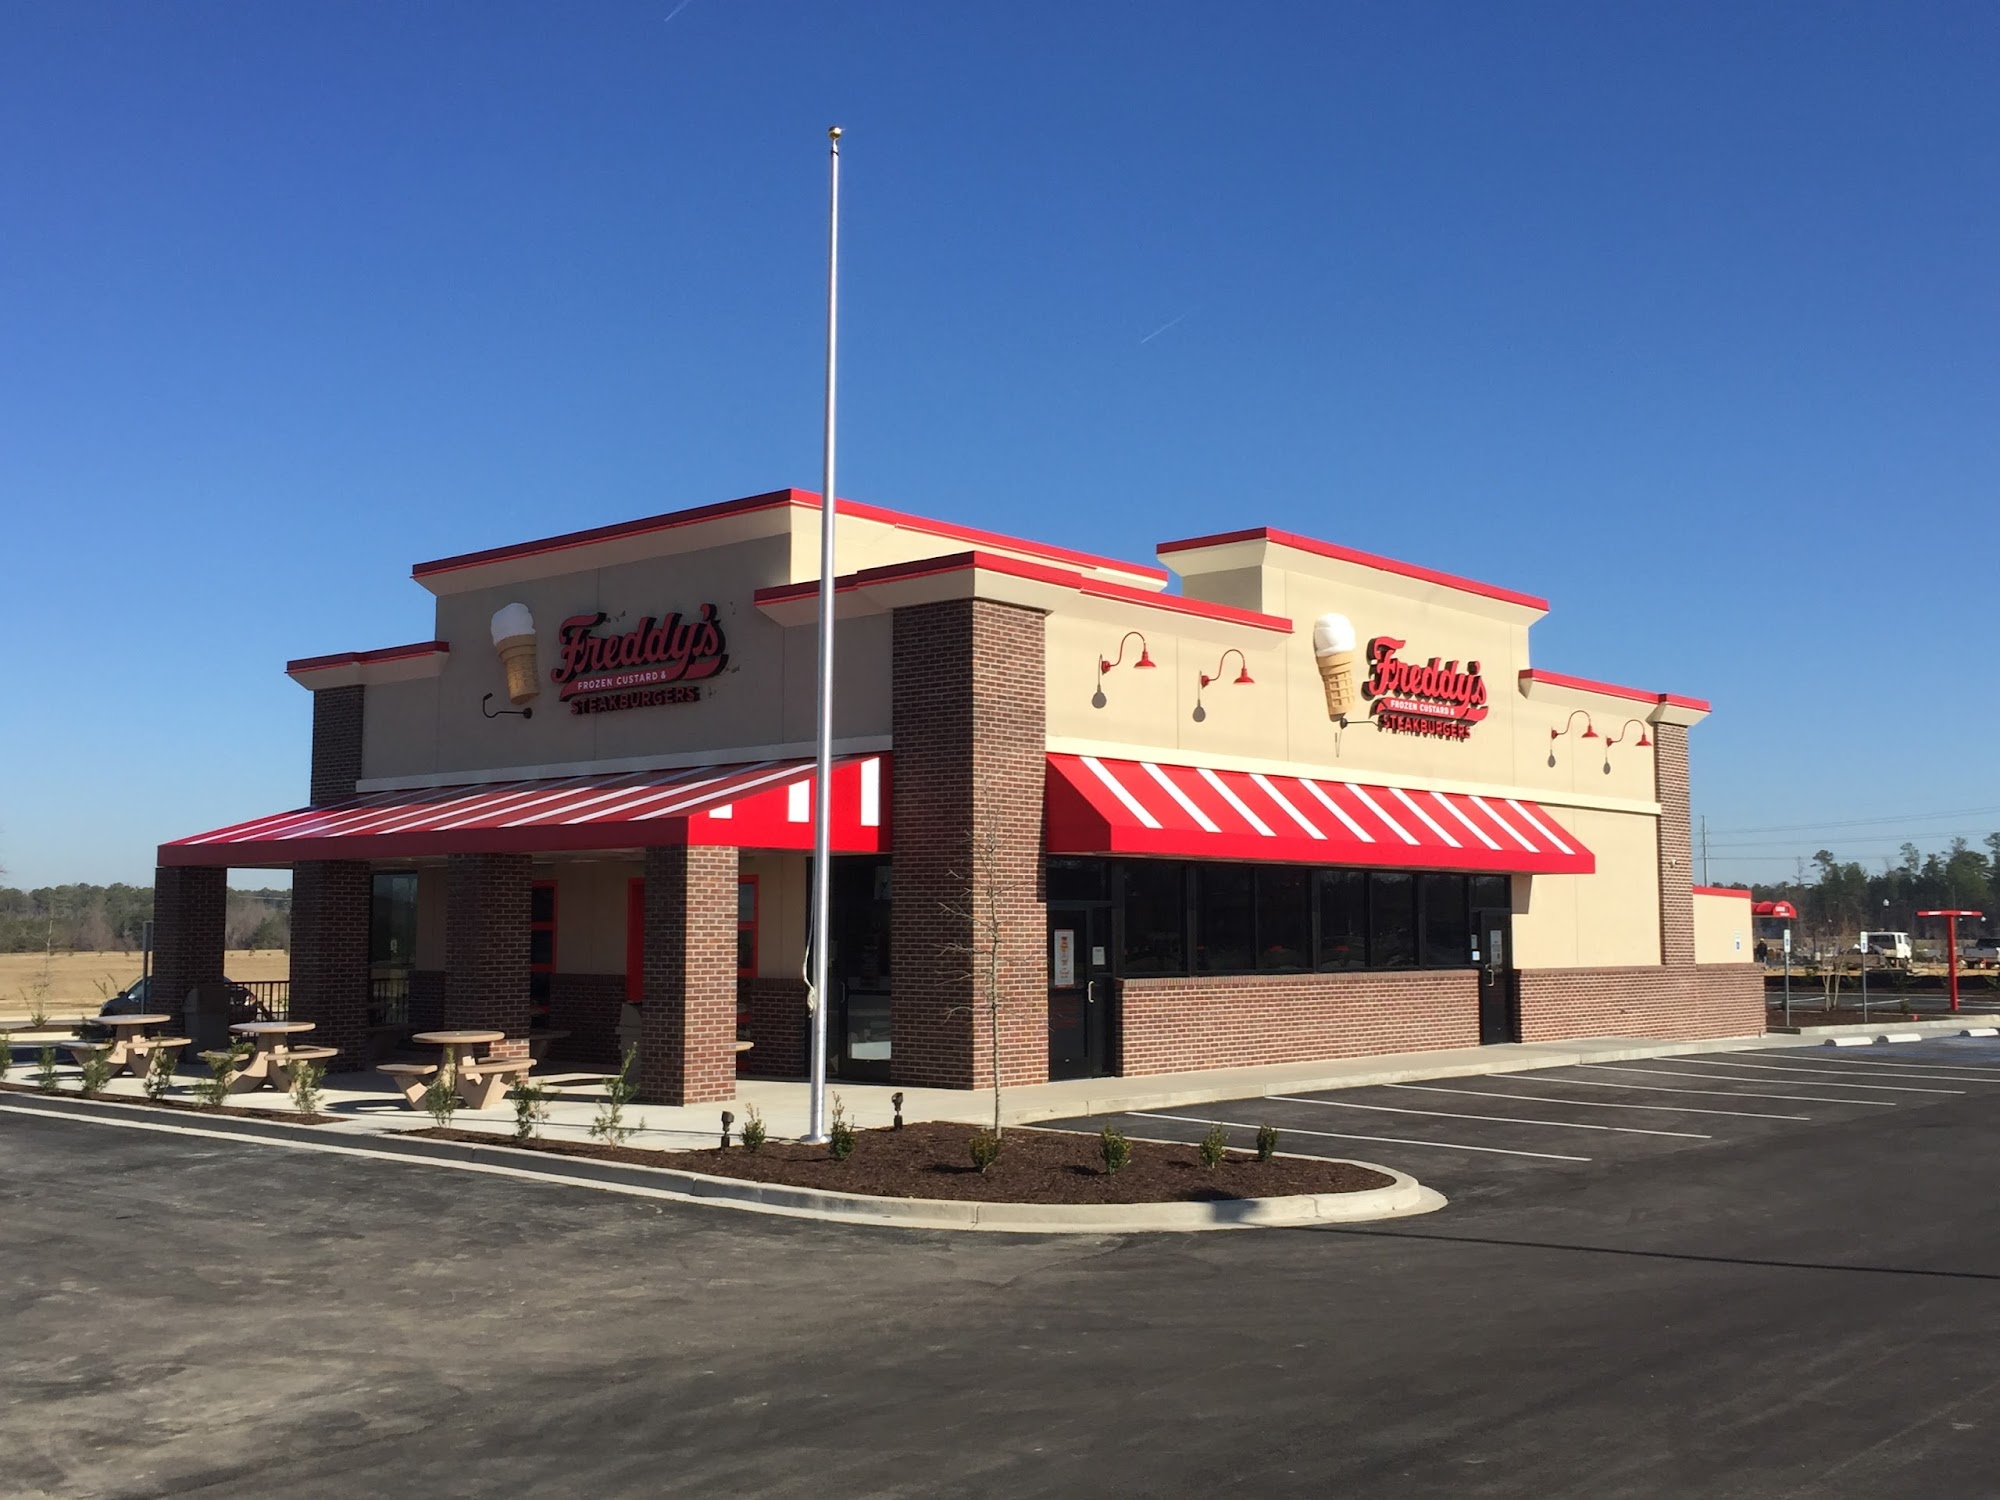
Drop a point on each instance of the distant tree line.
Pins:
(1843, 898)
(100, 918)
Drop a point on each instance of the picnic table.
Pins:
(481, 1082)
(126, 1030)
(271, 1060)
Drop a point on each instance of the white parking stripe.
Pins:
(1668, 1088)
(1971, 1072)
(1878, 1088)
(1802, 1068)
(1672, 1109)
(1445, 1114)
(1387, 1140)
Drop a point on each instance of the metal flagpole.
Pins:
(822, 873)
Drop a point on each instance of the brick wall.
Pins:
(1670, 785)
(776, 1022)
(687, 1026)
(587, 1007)
(968, 719)
(1232, 1021)
(426, 1000)
(330, 909)
(486, 943)
(1680, 1004)
(336, 743)
(189, 909)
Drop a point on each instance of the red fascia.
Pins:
(1363, 559)
(805, 499)
(1721, 890)
(1612, 689)
(362, 658)
(1014, 567)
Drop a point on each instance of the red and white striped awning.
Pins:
(1098, 806)
(765, 804)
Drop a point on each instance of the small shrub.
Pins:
(37, 996)
(1214, 1146)
(6, 1053)
(213, 1090)
(531, 1108)
(839, 1133)
(1267, 1141)
(618, 1092)
(45, 1069)
(159, 1076)
(306, 1079)
(1115, 1149)
(753, 1128)
(441, 1098)
(985, 1149)
(96, 1071)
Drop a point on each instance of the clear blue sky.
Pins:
(1683, 316)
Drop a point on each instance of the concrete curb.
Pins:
(1404, 1197)
(1898, 1029)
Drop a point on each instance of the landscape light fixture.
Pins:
(1145, 663)
(1241, 679)
(1589, 731)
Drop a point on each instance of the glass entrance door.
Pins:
(1499, 993)
(1080, 999)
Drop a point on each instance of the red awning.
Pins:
(1098, 806)
(765, 804)
(1783, 909)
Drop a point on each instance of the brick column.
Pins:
(330, 914)
(336, 743)
(486, 946)
(968, 719)
(687, 1028)
(1670, 786)
(189, 908)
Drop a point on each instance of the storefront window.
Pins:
(1225, 918)
(1284, 916)
(1392, 920)
(1447, 931)
(1343, 920)
(1492, 890)
(746, 927)
(392, 920)
(1076, 880)
(1155, 918)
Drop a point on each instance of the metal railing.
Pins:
(273, 996)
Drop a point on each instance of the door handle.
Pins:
(1090, 992)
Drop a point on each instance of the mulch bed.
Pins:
(932, 1160)
(234, 1111)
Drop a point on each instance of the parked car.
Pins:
(1892, 945)
(135, 999)
(1982, 951)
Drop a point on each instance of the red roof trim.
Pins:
(1363, 559)
(805, 499)
(362, 658)
(1014, 567)
(1722, 890)
(1611, 689)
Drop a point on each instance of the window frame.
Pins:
(751, 926)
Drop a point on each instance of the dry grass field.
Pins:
(80, 981)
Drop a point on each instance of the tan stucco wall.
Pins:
(1282, 716)
(1609, 919)
(765, 696)
(783, 895)
(590, 913)
(1722, 932)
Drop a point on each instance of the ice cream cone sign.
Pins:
(1338, 662)
(514, 640)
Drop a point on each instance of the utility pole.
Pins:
(1704, 848)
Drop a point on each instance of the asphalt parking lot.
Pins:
(1476, 1137)
(1751, 1307)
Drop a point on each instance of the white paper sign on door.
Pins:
(1063, 965)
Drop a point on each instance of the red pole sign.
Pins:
(1951, 944)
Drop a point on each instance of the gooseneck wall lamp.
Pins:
(1589, 731)
(1642, 744)
(1241, 679)
(1144, 663)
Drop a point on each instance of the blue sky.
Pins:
(1684, 317)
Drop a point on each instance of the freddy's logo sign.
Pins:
(661, 661)
(1436, 699)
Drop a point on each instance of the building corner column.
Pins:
(190, 912)
(1676, 852)
(330, 977)
(486, 946)
(687, 1025)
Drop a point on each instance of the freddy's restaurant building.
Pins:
(1313, 804)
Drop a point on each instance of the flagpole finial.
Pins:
(833, 134)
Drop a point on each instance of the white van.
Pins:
(1894, 946)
